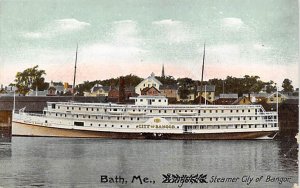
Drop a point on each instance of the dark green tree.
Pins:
(219, 85)
(31, 78)
(287, 85)
(183, 92)
(85, 86)
(186, 86)
(130, 80)
(167, 80)
(270, 87)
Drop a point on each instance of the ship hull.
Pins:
(23, 129)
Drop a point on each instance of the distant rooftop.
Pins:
(229, 96)
(37, 93)
(99, 86)
(148, 97)
(207, 88)
(175, 86)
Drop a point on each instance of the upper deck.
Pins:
(158, 107)
(150, 100)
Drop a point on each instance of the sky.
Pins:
(242, 37)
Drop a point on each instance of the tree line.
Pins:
(33, 79)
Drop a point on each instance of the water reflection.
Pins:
(288, 155)
(5, 150)
(5, 160)
(60, 162)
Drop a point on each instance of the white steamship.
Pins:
(151, 117)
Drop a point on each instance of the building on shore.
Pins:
(55, 89)
(226, 99)
(37, 93)
(113, 94)
(7, 90)
(242, 101)
(151, 91)
(207, 92)
(267, 97)
(98, 90)
(151, 81)
(170, 91)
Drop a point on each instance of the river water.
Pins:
(65, 162)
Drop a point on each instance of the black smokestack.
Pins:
(121, 98)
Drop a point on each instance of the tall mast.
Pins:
(202, 75)
(276, 99)
(14, 105)
(73, 92)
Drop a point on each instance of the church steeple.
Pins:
(163, 71)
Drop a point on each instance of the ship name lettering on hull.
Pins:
(155, 126)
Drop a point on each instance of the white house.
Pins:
(272, 98)
(7, 90)
(37, 93)
(148, 82)
(55, 88)
(98, 90)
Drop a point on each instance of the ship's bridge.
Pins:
(145, 100)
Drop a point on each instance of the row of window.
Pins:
(152, 100)
(87, 109)
(216, 119)
(96, 117)
(160, 111)
(76, 123)
(228, 126)
(137, 118)
(150, 85)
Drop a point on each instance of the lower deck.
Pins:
(24, 129)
